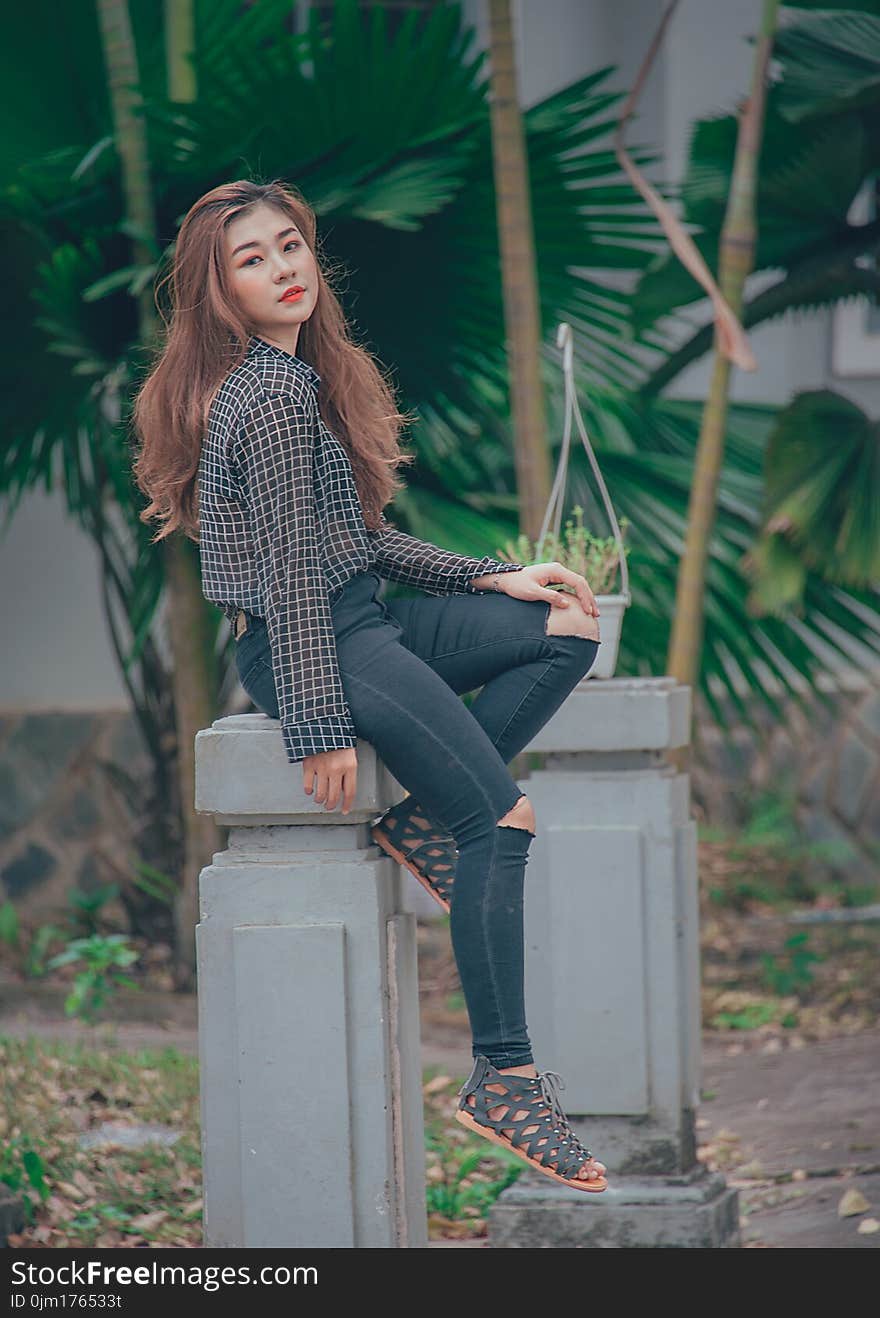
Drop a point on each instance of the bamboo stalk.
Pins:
(522, 318)
(736, 262)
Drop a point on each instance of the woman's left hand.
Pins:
(531, 583)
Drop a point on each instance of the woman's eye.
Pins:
(293, 243)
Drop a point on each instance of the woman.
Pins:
(272, 439)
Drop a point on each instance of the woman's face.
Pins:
(267, 255)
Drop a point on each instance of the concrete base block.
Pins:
(310, 1059)
(698, 1211)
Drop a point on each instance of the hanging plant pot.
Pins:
(611, 611)
(612, 606)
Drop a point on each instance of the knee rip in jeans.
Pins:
(522, 817)
(573, 621)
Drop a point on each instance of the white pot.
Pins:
(611, 610)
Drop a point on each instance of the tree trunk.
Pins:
(521, 310)
(192, 676)
(736, 261)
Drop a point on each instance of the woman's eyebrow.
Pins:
(255, 242)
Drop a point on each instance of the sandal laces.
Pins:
(551, 1083)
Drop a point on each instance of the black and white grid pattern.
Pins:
(281, 531)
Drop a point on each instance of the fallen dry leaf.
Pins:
(439, 1082)
(852, 1203)
(149, 1221)
(445, 1228)
(69, 1190)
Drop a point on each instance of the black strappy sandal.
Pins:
(552, 1140)
(407, 835)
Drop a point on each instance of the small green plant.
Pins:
(29, 951)
(591, 556)
(772, 862)
(86, 906)
(155, 883)
(463, 1188)
(750, 1017)
(23, 1170)
(772, 822)
(790, 973)
(35, 958)
(99, 979)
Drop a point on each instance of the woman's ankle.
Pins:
(525, 1068)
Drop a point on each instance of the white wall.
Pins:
(708, 71)
(57, 652)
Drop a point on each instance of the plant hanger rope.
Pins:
(554, 506)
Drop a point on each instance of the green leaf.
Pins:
(779, 576)
(9, 924)
(34, 1169)
(830, 62)
(124, 278)
(821, 487)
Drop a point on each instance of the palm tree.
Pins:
(190, 674)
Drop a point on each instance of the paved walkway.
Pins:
(812, 1111)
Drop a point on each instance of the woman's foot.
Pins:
(407, 835)
(530, 1122)
(591, 1170)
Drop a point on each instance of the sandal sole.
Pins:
(382, 840)
(592, 1187)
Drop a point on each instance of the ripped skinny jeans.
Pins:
(404, 666)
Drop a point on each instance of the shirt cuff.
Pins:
(333, 733)
(494, 566)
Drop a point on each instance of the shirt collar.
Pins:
(256, 346)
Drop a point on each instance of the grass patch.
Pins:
(52, 1093)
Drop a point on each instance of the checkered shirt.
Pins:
(281, 531)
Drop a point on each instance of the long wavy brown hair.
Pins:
(207, 338)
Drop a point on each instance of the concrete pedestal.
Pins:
(312, 1127)
(612, 974)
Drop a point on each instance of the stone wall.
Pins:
(63, 824)
(824, 761)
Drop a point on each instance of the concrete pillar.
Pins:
(311, 1096)
(612, 975)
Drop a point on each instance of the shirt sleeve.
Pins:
(401, 557)
(274, 451)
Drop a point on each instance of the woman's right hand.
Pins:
(332, 774)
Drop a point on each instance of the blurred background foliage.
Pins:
(399, 172)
